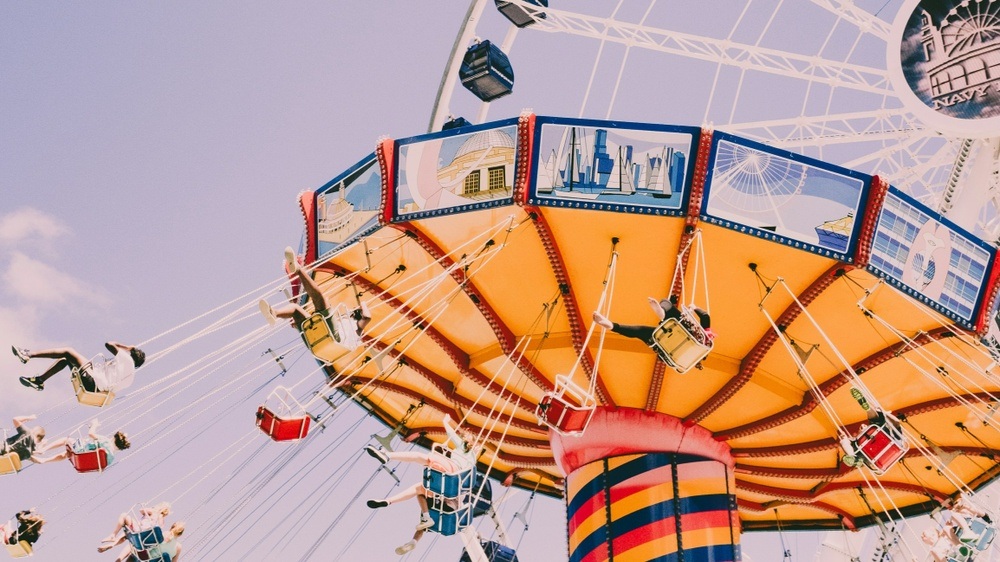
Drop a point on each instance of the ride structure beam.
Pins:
(642, 486)
(809, 401)
(750, 362)
(811, 69)
(691, 221)
(504, 335)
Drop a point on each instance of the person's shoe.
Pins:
(425, 522)
(378, 454)
(32, 382)
(268, 312)
(856, 393)
(602, 321)
(850, 460)
(20, 353)
(291, 264)
(403, 549)
(375, 504)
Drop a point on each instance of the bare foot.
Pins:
(602, 321)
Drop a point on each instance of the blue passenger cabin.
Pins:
(486, 71)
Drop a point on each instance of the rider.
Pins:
(111, 376)
(315, 295)
(27, 441)
(664, 309)
(460, 457)
(28, 528)
(876, 417)
(119, 442)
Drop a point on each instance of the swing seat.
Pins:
(568, 408)
(20, 549)
(495, 552)
(879, 449)
(678, 347)
(282, 429)
(962, 553)
(89, 398)
(144, 539)
(329, 335)
(89, 461)
(983, 533)
(145, 556)
(449, 517)
(10, 463)
(448, 485)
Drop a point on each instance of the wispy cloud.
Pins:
(34, 281)
(29, 223)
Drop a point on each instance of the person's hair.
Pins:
(177, 528)
(121, 441)
(29, 526)
(40, 433)
(706, 320)
(138, 356)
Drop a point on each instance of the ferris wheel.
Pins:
(826, 78)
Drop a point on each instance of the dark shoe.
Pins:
(32, 382)
(375, 504)
(20, 353)
(856, 393)
(378, 454)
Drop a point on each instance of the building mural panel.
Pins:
(929, 258)
(613, 166)
(347, 207)
(457, 170)
(784, 196)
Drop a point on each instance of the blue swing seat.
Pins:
(495, 552)
(142, 540)
(451, 498)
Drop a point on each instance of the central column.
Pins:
(642, 487)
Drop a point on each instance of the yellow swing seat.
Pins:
(678, 347)
(90, 398)
(20, 549)
(330, 334)
(10, 463)
(567, 409)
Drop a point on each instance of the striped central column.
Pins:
(642, 487)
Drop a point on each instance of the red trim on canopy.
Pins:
(385, 151)
(873, 207)
(307, 204)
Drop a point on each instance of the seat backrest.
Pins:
(90, 461)
(10, 463)
(19, 549)
(142, 540)
(87, 398)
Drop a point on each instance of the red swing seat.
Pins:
(89, 461)
(879, 448)
(282, 429)
(567, 409)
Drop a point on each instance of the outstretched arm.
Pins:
(20, 420)
(92, 430)
(114, 346)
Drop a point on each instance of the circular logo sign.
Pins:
(946, 64)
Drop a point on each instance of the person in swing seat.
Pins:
(296, 313)
(27, 442)
(95, 441)
(460, 457)
(26, 526)
(877, 417)
(664, 310)
(111, 376)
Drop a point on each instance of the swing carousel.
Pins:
(819, 353)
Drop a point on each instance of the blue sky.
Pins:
(150, 157)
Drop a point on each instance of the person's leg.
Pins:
(65, 357)
(644, 333)
(415, 457)
(124, 520)
(312, 290)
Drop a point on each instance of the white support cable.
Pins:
(902, 519)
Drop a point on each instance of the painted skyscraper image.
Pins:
(612, 165)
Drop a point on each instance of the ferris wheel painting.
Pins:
(456, 171)
(787, 196)
(606, 165)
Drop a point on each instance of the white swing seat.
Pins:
(10, 463)
(678, 346)
(567, 409)
(20, 549)
(983, 533)
(879, 448)
(332, 334)
(86, 397)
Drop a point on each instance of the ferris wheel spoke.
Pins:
(821, 130)
(748, 57)
(865, 21)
